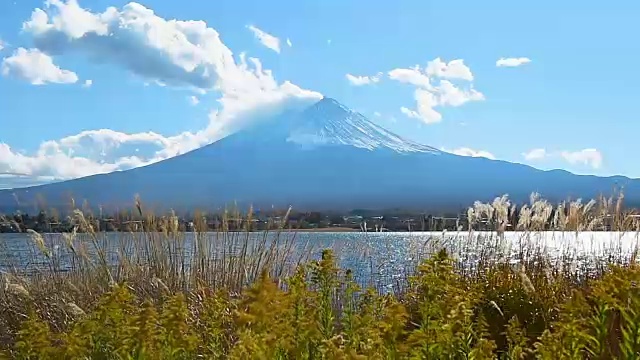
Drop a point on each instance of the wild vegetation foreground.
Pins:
(156, 300)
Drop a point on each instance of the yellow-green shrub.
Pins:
(321, 313)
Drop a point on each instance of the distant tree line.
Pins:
(364, 220)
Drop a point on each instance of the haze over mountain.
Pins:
(324, 157)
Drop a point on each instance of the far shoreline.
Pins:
(328, 230)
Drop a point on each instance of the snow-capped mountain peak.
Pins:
(328, 122)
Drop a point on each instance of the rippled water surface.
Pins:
(386, 256)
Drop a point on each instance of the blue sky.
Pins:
(104, 85)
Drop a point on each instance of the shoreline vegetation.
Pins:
(150, 294)
(47, 220)
(329, 229)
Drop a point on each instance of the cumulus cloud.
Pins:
(87, 83)
(426, 100)
(454, 69)
(93, 152)
(194, 100)
(435, 88)
(363, 80)
(57, 164)
(512, 62)
(2, 45)
(535, 154)
(465, 151)
(450, 94)
(586, 157)
(168, 52)
(289, 43)
(413, 76)
(36, 67)
(267, 39)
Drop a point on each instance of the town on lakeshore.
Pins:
(355, 220)
(51, 222)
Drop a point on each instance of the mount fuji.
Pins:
(325, 157)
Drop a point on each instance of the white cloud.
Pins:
(36, 67)
(94, 152)
(2, 44)
(289, 43)
(588, 157)
(57, 164)
(426, 101)
(87, 83)
(266, 39)
(169, 52)
(428, 95)
(512, 62)
(194, 100)
(410, 113)
(411, 76)
(452, 95)
(465, 151)
(376, 114)
(363, 80)
(454, 69)
(535, 154)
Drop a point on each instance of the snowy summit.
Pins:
(329, 122)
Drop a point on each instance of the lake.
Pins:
(387, 257)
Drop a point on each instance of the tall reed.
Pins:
(158, 292)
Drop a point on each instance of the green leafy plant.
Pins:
(225, 295)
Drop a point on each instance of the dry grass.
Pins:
(269, 296)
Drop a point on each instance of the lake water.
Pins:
(385, 256)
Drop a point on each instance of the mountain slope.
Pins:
(325, 157)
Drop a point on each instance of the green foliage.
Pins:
(244, 308)
(321, 313)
